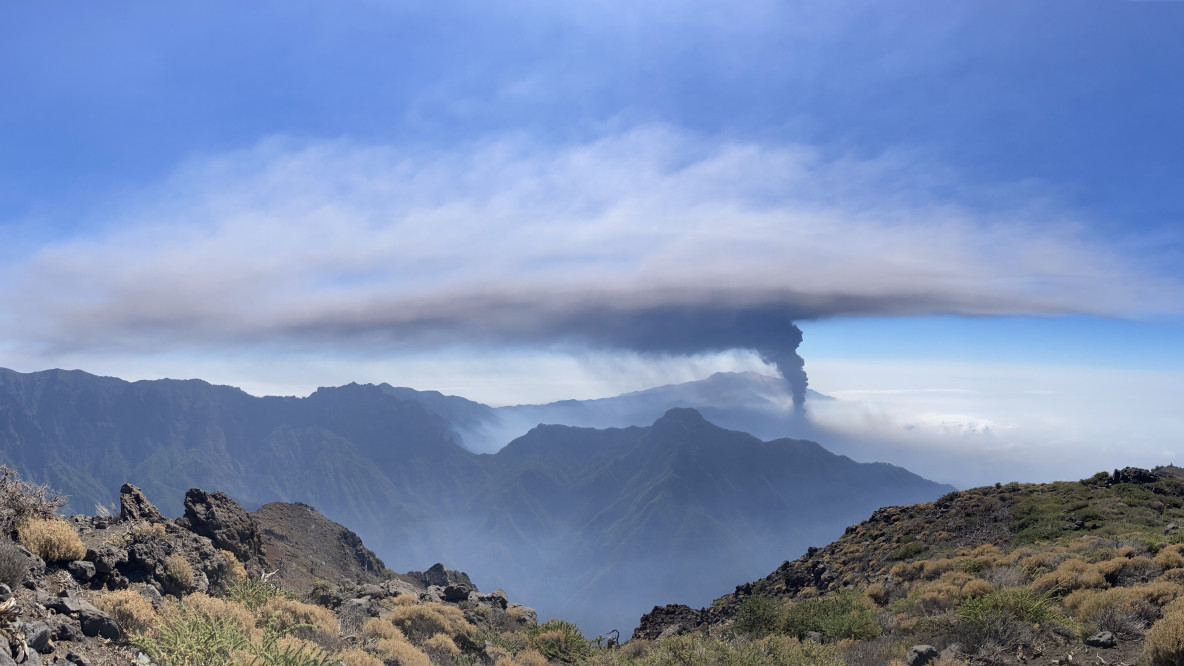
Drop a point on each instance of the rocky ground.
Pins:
(52, 613)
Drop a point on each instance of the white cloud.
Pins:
(1001, 422)
(305, 244)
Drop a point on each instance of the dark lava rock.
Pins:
(5, 653)
(655, 622)
(65, 628)
(77, 659)
(5, 593)
(107, 558)
(442, 576)
(37, 635)
(82, 570)
(134, 506)
(227, 524)
(1132, 475)
(1102, 639)
(98, 623)
(919, 655)
(456, 593)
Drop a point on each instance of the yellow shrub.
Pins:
(517, 613)
(286, 613)
(907, 570)
(131, 611)
(1164, 643)
(356, 657)
(443, 643)
(144, 530)
(934, 568)
(986, 550)
(215, 607)
(955, 578)
(406, 653)
(406, 600)
(976, 588)
(423, 620)
(233, 569)
(1040, 562)
(1071, 575)
(1090, 605)
(524, 658)
(379, 628)
(51, 539)
(1170, 557)
(179, 570)
(877, 593)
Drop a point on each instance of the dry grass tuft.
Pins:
(282, 614)
(233, 569)
(131, 611)
(179, 571)
(51, 539)
(356, 657)
(424, 620)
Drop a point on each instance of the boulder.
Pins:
(82, 570)
(1102, 639)
(919, 655)
(442, 576)
(37, 635)
(134, 506)
(97, 623)
(227, 525)
(456, 593)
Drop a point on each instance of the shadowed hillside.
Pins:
(593, 525)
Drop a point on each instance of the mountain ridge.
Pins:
(598, 511)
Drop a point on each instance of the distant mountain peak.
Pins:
(682, 415)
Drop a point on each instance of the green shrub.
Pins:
(192, 638)
(697, 650)
(847, 614)
(1024, 603)
(760, 615)
(254, 592)
(559, 640)
(908, 550)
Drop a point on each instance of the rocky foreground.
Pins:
(59, 609)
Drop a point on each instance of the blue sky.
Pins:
(233, 191)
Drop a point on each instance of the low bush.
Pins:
(844, 615)
(14, 565)
(558, 640)
(192, 638)
(697, 650)
(130, 610)
(283, 615)
(21, 501)
(254, 592)
(356, 657)
(179, 571)
(51, 539)
(422, 621)
(232, 570)
(760, 615)
(404, 653)
(1164, 643)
